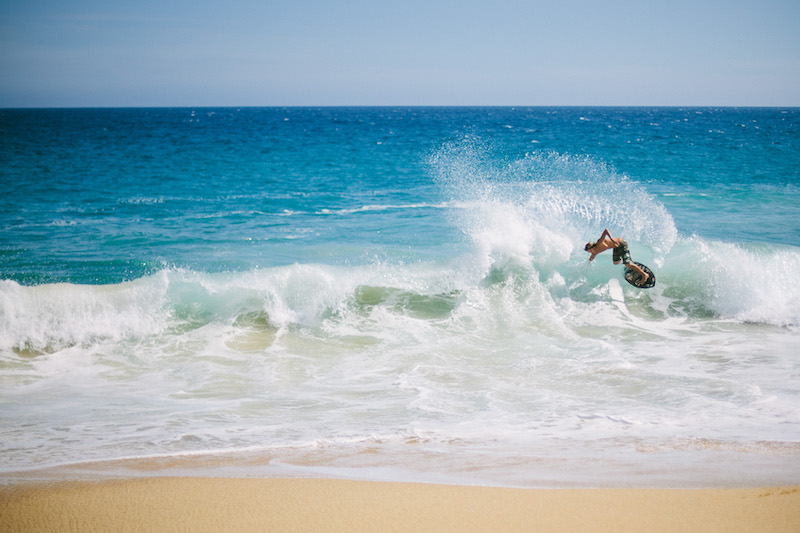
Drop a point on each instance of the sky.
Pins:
(112, 53)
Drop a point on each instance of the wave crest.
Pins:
(541, 200)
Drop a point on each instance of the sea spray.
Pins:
(543, 206)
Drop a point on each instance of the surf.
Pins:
(523, 223)
(500, 281)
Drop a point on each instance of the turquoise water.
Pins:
(306, 285)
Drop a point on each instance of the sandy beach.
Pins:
(285, 505)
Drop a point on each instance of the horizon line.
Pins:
(420, 106)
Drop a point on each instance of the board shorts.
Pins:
(622, 253)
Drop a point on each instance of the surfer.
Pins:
(621, 253)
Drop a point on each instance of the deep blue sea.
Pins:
(402, 293)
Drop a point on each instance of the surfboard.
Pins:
(633, 277)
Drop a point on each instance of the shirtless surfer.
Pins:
(621, 253)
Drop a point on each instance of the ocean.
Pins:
(401, 294)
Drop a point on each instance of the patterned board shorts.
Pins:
(622, 253)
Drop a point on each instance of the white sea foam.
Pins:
(54, 316)
(382, 207)
(752, 283)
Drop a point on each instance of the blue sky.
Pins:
(75, 53)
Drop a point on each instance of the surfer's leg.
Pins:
(643, 275)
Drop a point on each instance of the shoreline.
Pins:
(675, 464)
(314, 504)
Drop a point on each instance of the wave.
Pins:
(750, 282)
(523, 269)
(381, 208)
(471, 295)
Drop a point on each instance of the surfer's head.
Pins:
(589, 246)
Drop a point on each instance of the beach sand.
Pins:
(286, 505)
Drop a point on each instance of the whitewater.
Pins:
(458, 334)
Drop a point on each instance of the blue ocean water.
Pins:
(403, 292)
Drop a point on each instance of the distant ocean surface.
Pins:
(402, 293)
